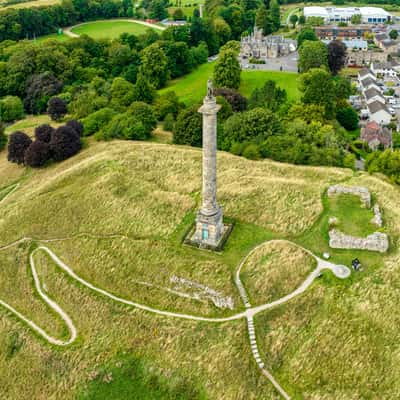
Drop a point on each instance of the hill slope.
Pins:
(147, 194)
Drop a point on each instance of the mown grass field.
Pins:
(148, 193)
(192, 88)
(109, 29)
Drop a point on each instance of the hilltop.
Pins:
(117, 213)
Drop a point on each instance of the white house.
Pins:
(389, 69)
(369, 15)
(379, 113)
(372, 95)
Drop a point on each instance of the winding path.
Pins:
(249, 313)
(68, 31)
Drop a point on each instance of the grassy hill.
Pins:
(147, 194)
(192, 87)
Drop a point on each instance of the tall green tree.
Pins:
(143, 90)
(312, 55)
(275, 14)
(155, 65)
(306, 34)
(293, 20)
(318, 88)
(263, 20)
(227, 70)
(336, 56)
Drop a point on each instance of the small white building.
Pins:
(369, 15)
(379, 113)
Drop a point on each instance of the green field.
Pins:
(109, 29)
(53, 36)
(192, 87)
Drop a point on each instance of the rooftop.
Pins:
(377, 106)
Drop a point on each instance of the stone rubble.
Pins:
(377, 220)
(204, 292)
(362, 192)
(377, 241)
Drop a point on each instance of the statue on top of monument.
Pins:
(210, 89)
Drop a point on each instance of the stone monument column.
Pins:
(209, 221)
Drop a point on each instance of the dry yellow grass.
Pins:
(274, 270)
(145, 191)
(9, 173)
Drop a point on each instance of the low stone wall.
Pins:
(377, 220)
(377, 241)
(359, 191)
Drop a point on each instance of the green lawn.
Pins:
(109, 29)
(192, 87)
(54, 36)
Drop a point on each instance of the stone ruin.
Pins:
(203, 292)
(361, 192)
(377, 241)
(377, 220)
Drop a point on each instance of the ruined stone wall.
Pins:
(359, 191)
(377, 241)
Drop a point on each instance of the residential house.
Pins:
(388, 69)
(375, 135)
(379, 113)
(365, 73)
(368, 83)
(372, 95)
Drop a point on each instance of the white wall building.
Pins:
(379, 113)
(369, 15)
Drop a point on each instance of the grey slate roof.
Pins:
(372, 92)
(376, 106)
(367, 81)
(365, 72)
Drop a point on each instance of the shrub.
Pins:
(3, 137)
(233, 97)
(65, 142)
(39, 89)
(76, 126)
(11, 108)
(169, 123)
(348, 118)
(43, 133)
(188, 127)
(37, 154)
(145, 114)
(19, 142)
(57, 108)
(167, 103)
(123, 126)
(95, 121)
(251, 152)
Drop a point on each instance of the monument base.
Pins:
(209, 232)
